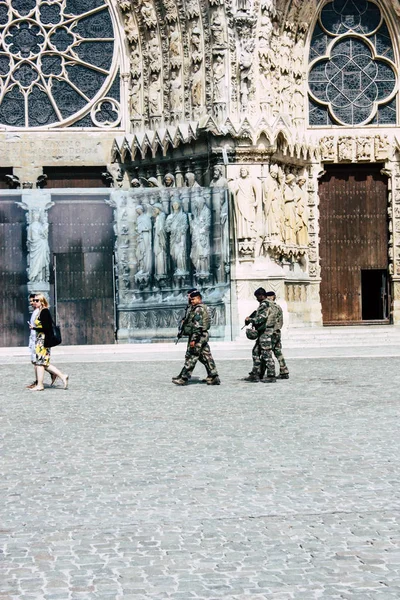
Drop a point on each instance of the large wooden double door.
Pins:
(354, 245)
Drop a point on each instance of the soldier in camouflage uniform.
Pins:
(276, 338)
(264, 322)
(196, 326)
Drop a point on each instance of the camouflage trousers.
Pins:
(262, 356)
(277, 350)
(202, 353)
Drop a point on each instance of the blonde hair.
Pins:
(43, 300)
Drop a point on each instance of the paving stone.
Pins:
(127, 487)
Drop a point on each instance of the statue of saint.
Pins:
(160, 242)
(302, 213)
(200, 225)
(143, 242)
(169, 180)
(246, 200)
(177, 226)
(190, 180)
(272, 203)
(38, 248)
(218, 180)
(289, 198)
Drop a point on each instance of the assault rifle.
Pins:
(180, 330)
(253, 314)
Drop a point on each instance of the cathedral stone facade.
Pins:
(148, 146)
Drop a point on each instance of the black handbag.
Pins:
(55, 338)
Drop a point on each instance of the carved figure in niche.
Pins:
(272, 203)
(265, 87)
(195, 38)
(197, 86)
(298, 58)
(160, 242)
(302, 213)
(345, 148)
(143, 241)
(219, 87)
(217, 28)
(135, 60)
(298, 103)
(218, 180)
(289, 198)
(135, 98)
(286, 44)
(265, 33)
(364, 148)
(135, 183)
(177, 226)
(382, 147)
(190, 180)
(130, 28)
(38, 248)
(327, 148)
(154, 51)
(148, 14)
(175, 92)
(169, 180)
(175, 45)
(154, 94)
(245, 64)
(200, 225)
(246, 199)
(192, 8)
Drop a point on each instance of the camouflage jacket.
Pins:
(265, 317)
(279, 317)
(197, 320)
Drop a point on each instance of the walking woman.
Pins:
(43, 328)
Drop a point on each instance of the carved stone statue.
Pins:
(190, 180)
(175, 92)
(160, 242)
(224, 219)
(169, 180)
(218, 179)
(143, 242)
(200, 225)
(154, 94)
(302, 213)
(177, 226)
(148, 14)
(272, 203)
(219, 82)
(175, 45)
(197, 86)
(246, 199)
(289, 198)
(38, 248)
(218, 29)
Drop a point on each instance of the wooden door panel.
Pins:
(82, 240)
(13, 291)
(353, 234)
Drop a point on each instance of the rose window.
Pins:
(57, 64)
(352, 78)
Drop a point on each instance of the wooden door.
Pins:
(82, 239)
(14, 304)
(353, 237)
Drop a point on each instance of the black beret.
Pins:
(195, 294)
(260, 292)
(192, 290)
(270, 294)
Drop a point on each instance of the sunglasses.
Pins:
(35, 300)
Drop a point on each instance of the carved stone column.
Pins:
(36, 204)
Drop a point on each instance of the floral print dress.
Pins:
(42, 353)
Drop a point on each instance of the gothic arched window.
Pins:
(352, 77)
(58, 64)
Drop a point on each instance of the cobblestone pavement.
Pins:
(128, 487)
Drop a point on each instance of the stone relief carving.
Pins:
(177, 225)
(143, 245)
(200, 226)
(160, 243)
(246, 198)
